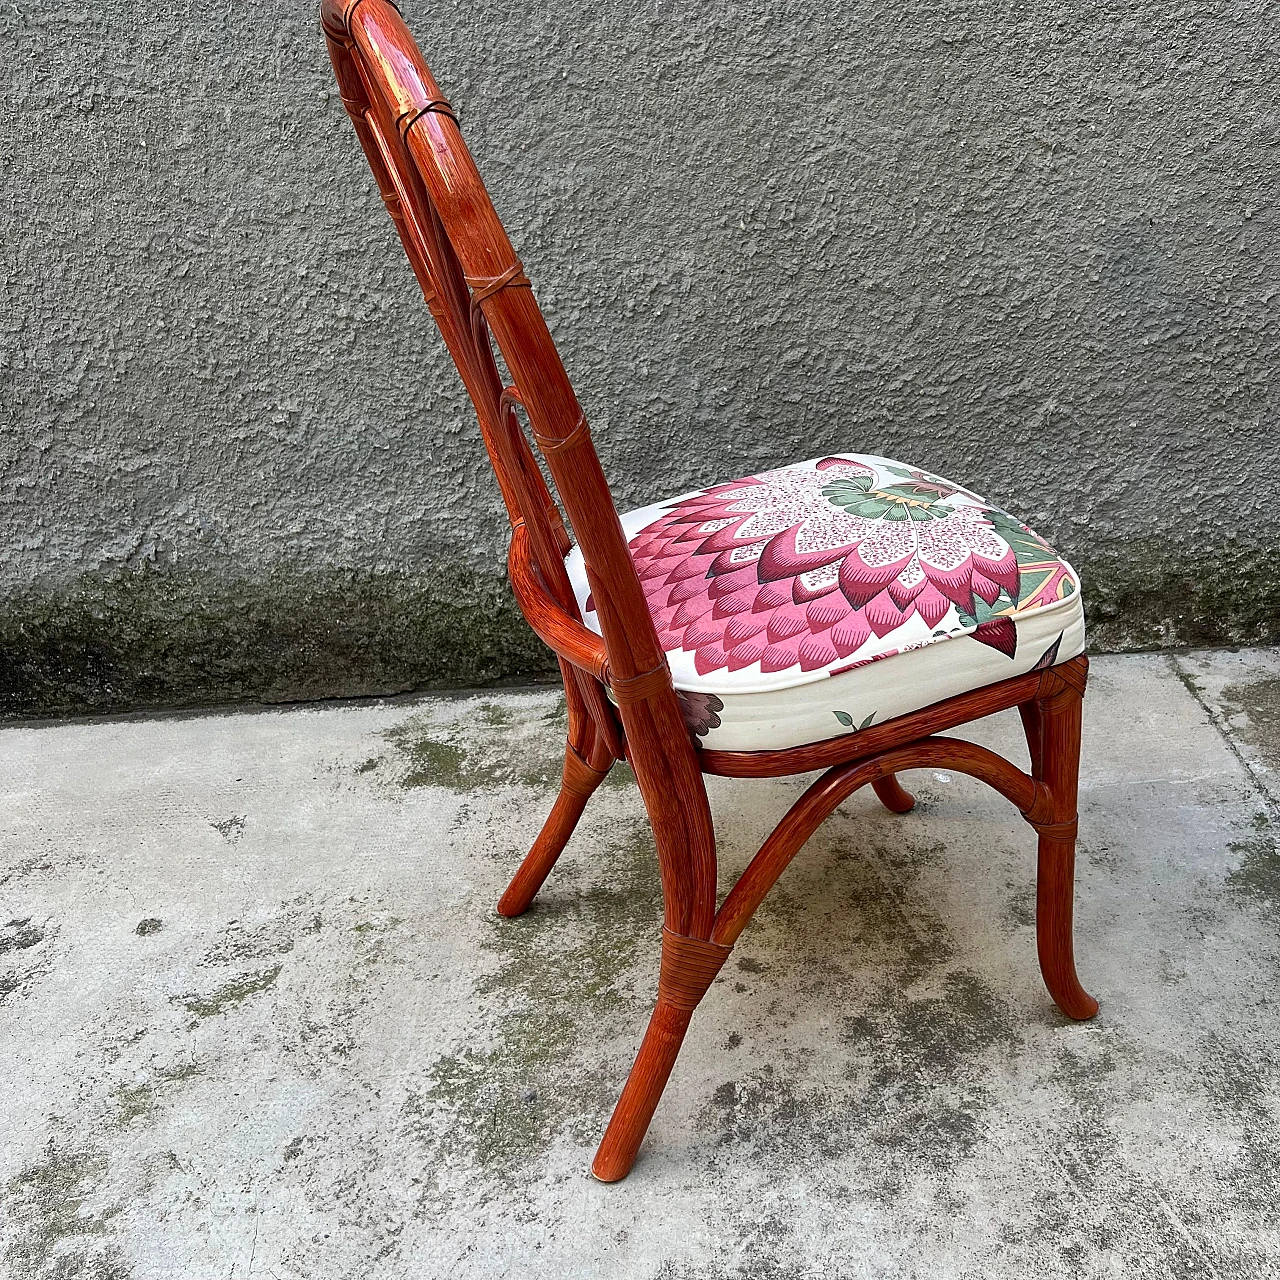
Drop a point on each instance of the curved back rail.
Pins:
(477, 291)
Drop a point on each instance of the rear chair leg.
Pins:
(579, 781)
(1054, 734)
(892, 795)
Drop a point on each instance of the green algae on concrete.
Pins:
(539, 1066)
(18, 935)
(917, 1028)
(1258, 875)
(475, 744)
(138, 1101)
(1259, 702)
(53, 1231)
(231, 993)
(1141, 596)
(371, 939)
(439, 764)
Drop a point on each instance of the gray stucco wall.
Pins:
(1032, 247)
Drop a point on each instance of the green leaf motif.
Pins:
(1029, 547)
(892, 502)
(846, 490)
(847, 720)
(1030, 581)
(983, 612)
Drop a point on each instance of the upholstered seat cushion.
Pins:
(830, 595)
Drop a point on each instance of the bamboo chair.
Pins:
(644, 631)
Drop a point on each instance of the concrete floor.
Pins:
(258, 1016)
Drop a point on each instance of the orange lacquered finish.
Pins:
(617, 684)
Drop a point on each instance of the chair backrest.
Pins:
(477, 290)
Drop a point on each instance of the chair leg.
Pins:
(1054, 893)
(689, 966)
(1058, 756)
(649, 1074)
(578, 783)
(892, 795)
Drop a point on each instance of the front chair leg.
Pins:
(578, 783)
(689, 965)
(1057, 730)
(1054, 892)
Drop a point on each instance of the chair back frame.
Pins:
(476, 289)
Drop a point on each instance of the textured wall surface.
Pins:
(1033, 247)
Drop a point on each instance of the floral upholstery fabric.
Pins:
(816, 599)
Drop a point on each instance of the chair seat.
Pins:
(834, 594)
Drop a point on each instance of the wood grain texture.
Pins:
(959, 710)
(481, 297)
(892, 795)
(578, 783)
(1059, 716)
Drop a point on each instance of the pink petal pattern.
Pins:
(786, 571)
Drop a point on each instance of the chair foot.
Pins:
(1055, 889)
(689, 966)
(892, 795)
(630, 1120)
(579, 782)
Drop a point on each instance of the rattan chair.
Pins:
(836, 614)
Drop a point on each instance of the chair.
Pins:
(838, 614)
